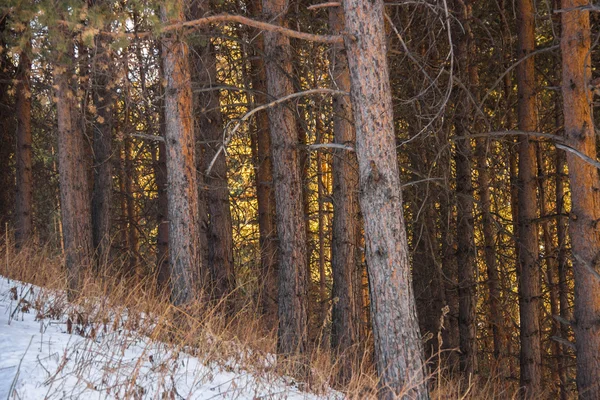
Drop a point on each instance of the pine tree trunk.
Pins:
(181, 166)
(102, 192)
(293, 280)
(162, 212)
(210, 133)
(6, 131)
(585, 195)
(550, 258)
(24, 195)
(562, 265)
(465, 240)
(398, 347)
(73, 177)
(529, 281)
(132, 233)
(264, 183)
(489, 238)
(345, 327)
(427, 280)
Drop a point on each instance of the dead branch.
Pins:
(330, 146)
(324, 5)
(229, 135)
(558, 141)
(222, 18)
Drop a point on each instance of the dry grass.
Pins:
(113, 304)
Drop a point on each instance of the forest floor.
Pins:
(51, 349)
(122, 340)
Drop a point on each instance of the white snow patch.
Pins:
(40, 360)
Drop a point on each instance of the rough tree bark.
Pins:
(210, 133)
(180, 160)
(562, 265)
(550, 258)
(527, 237)
(24, 195)
(264, 182)
(465, 240)
(427, 278)
(73, 177)
(102, 193)
(293, 280)
(489, 240)
(6, 129)
(398, 347)
(585, 194)
(162, 212)
(345, 327)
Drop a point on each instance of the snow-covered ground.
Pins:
(40, 360)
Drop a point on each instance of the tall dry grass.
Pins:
(208, 329)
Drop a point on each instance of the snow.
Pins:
(39, 359)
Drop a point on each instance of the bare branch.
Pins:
(519, 61)
(563, 341)
(324, 5)
(587, 7)
(330, 146)
(148, 137)
(558, 141)
(562, 320)
(229, 135)
(223, 18)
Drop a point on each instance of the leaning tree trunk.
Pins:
(585, 194)
(345, 327)
(181, 166)
(24, 195)
(527, 238)
(293, 284)
(398, 347)
(73, 177)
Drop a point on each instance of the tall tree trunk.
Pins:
(489, 239)
(181, 166)
(6, 129)
(345, 326)
(450, 335)
(562, 265)
(23, 211)
(264, 182)
(162, 212)
(465, 243)
(210, 134)
(293, 280)
(398, 347)
(102, 194)
(529, 280)
(550, 258)
(323, 296)
(129, 177)
(428, 284)
(73, 177)
(585, 194)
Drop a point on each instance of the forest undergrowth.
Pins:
(210, 330)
